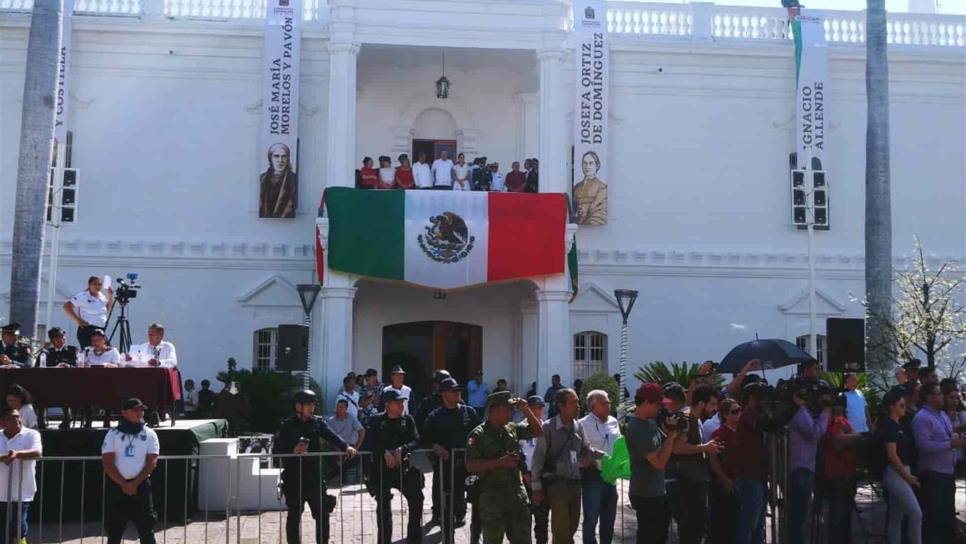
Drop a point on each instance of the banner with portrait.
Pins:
(591, 110)
(278, 163)
(811, 71)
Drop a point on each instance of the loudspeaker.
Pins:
(292, 348)
(845, 343)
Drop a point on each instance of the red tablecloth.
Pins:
(99, 387)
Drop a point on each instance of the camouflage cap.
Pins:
(500, 398)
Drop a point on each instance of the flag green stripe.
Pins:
(797, 32)
(366, 231)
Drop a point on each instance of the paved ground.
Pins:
(356, 511)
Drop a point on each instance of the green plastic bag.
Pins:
(617, 465)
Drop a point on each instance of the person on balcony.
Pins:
(368, 176)
(498, 184)
(533, 176)
(422, 173)
(516, 181)
(443, 172)
(387, 174)
(461, 174)
(404, 174)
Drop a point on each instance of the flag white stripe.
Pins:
(425, 256)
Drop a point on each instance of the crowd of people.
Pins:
(445, 174)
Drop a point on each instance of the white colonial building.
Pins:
(165, 99)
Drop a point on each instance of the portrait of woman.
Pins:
(590, 194)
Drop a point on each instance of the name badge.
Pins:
(129, 450)
(573, 458)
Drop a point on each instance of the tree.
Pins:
(878, 200)
(929, 319)
(36, 154)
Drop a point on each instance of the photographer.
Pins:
(687, 473)
(561, 453)
(302, 479)
(839, 471)
(89, 310)
(806, 428)
(751, 461)
(649, 448)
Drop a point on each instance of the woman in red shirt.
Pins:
(724, 501)
(404, 174)
(837, 452)
(368, 176)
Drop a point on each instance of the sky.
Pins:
(945, 6)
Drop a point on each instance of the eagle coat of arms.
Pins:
(447, 238)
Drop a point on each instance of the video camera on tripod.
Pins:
(126, 288)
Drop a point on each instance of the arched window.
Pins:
(802, 342)
(590, 354)
(263, 348)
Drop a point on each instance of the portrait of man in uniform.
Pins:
(278, 185)
(590, 194)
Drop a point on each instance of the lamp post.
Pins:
(308, 293)
(625, 300)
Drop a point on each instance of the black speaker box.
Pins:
(845, 343)
(292, 349)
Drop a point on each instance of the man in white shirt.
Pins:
(156, 352)
(443, 171)
(190, 398)
(397, 375)
(129, 455)
(350, 396)
(89, 309)
(20, 448)
(599, 497)
(422, 173)
(498, 184)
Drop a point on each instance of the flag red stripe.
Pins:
(526, 235)
(319, 257)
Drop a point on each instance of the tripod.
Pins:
(122, 327)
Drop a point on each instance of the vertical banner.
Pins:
(811, 70)
(591, 110)
(278, 181)
(63, 72)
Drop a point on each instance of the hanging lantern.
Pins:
(442, 84)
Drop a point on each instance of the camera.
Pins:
(126, 288)
(672, 421)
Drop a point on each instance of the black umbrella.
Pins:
(772, 353)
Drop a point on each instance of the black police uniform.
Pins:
(302, 479)
(386, 434)
(450, 429)
(53, 356)
(19, 354)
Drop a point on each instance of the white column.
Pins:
(553, 123)
(341, 130)
(554, 342)
(334, 329)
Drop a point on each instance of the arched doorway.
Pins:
(422, 347)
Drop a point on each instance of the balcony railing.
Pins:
(694, 21)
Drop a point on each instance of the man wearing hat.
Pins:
(391, 436)
(303, 478)
(58, 354)
(129, 455)
(447, 428)
(493, 453)
(541, 512)
(14, 353)
(431, 402)
(398, 375)
(912, 370)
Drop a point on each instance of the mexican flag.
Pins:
(445, 239)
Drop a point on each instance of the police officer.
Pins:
(302, 478)
(448, 427)
(493, 453)
(426, 406)
(391, 436)
(58, 354)
(14, 353)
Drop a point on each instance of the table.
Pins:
(107, 388)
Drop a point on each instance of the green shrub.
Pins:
(599, 381)
(270, 395)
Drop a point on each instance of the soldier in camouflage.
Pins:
(493, 452)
